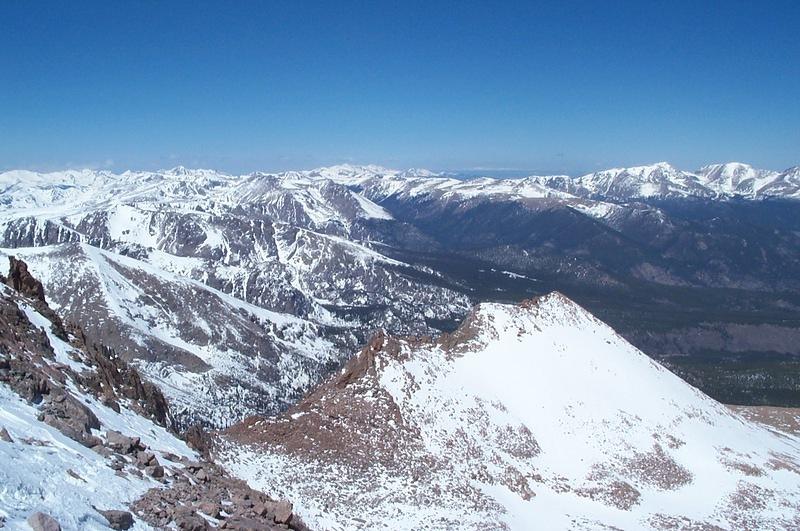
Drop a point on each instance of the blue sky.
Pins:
(239, 86)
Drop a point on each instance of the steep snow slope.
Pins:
(38, 469)
(528, 417)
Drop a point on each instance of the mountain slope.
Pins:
(526, 415)
(86, 443)
(60, 409)
(235, 295)
(217, 358)
(193, 274)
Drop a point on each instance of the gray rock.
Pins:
(121, 443)
(145, 458)
(102, 450)
(155, 471)
(118, 519)
(283, 512)
(43, 522)
(5, 436)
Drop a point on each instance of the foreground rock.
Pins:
(118, 519)
(203, 490)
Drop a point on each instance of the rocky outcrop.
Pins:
(71, 417)
(21, 280)
(115, 379)
(199, 440)
(203, 490)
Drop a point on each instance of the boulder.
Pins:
(261, 509)
(71, 417)
(118, 519)
(5, 436)
(245, 524)
(155, 471)
(102, 450)
(146, 459)
(191, 522)
(283, 512)
(121, 443)
(43, 522)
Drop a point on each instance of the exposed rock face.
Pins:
(116, 379)
(21, 280)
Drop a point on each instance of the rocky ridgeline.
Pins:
(202, 495)
(192, 495)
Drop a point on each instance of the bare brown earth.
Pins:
(783, 419)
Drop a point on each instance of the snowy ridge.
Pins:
(527, 414)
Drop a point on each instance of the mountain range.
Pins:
(238, 293)
(401, 349)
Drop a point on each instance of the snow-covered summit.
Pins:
(735, 178)
(528, 414)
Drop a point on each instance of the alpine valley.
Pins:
(354, 347)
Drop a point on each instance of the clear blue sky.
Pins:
(239, 86)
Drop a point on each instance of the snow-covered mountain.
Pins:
(655, 181)
(530, 416)
(86, 443)
(735, 178)
(237, 293)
